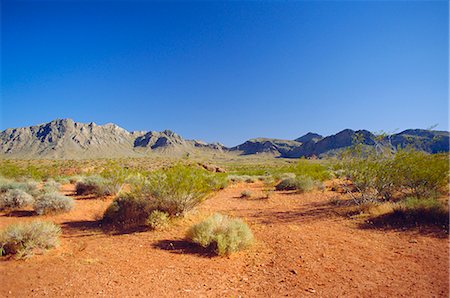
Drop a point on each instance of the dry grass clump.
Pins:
(31, 187)
(158, 220)
(300, 183)
(15, 199)
(242, 178)
(225, 234)
(23, 239)
(51, 186)
(52, 203)
(96, 185)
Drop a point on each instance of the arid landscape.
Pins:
(224, 149)
(304, 248)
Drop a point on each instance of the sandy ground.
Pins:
(303, 249)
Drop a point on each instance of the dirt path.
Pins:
(302, 249)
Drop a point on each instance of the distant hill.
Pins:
(67, 139)
(315, 145)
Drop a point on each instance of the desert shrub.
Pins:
(62, 179)
(53, 202)
(235, 178)
(23, 239)
(380, 175)
(287, 184)
(216, 181)
(225, 234)
(127, 211)
(246, 194)
(415, 210)
(97, 185)
(312, 169)
(299, 183)
(14, 199)
(178, 189)
(424, 174)
(29, 186)
(76, 178)
(158, 220)
(242, 178)
(266, 179)
(51, 186)
(250, 179)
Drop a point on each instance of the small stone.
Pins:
(413, 241)
(311, 290)
(293, 271)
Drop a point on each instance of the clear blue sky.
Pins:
(227, 71)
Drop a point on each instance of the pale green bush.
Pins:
(299, 183)
(51, 186)
(225, 234)
(23, 239)
(14, 199)
(53, 202)
(30, 186)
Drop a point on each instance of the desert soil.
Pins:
(303, 248)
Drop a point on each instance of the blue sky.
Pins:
(226, 71)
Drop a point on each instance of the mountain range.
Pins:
(67, 139)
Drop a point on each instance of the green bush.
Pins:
(178, 189)
(312, 169)
(226, 235)
(23, 239)
(158, 220)
(127, 211)
(14, 199)
(424, 174)
(97, 185)
(52, 203)
(380, 175)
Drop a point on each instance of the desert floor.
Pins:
(303, 248)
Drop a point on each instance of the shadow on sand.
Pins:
(185, 247)
(20, 213)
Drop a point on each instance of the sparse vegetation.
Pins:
(15, 199)
(382, 174)
(301, 184)
(53, 202)
(97, 185)
(23, 239)
(224, 234)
